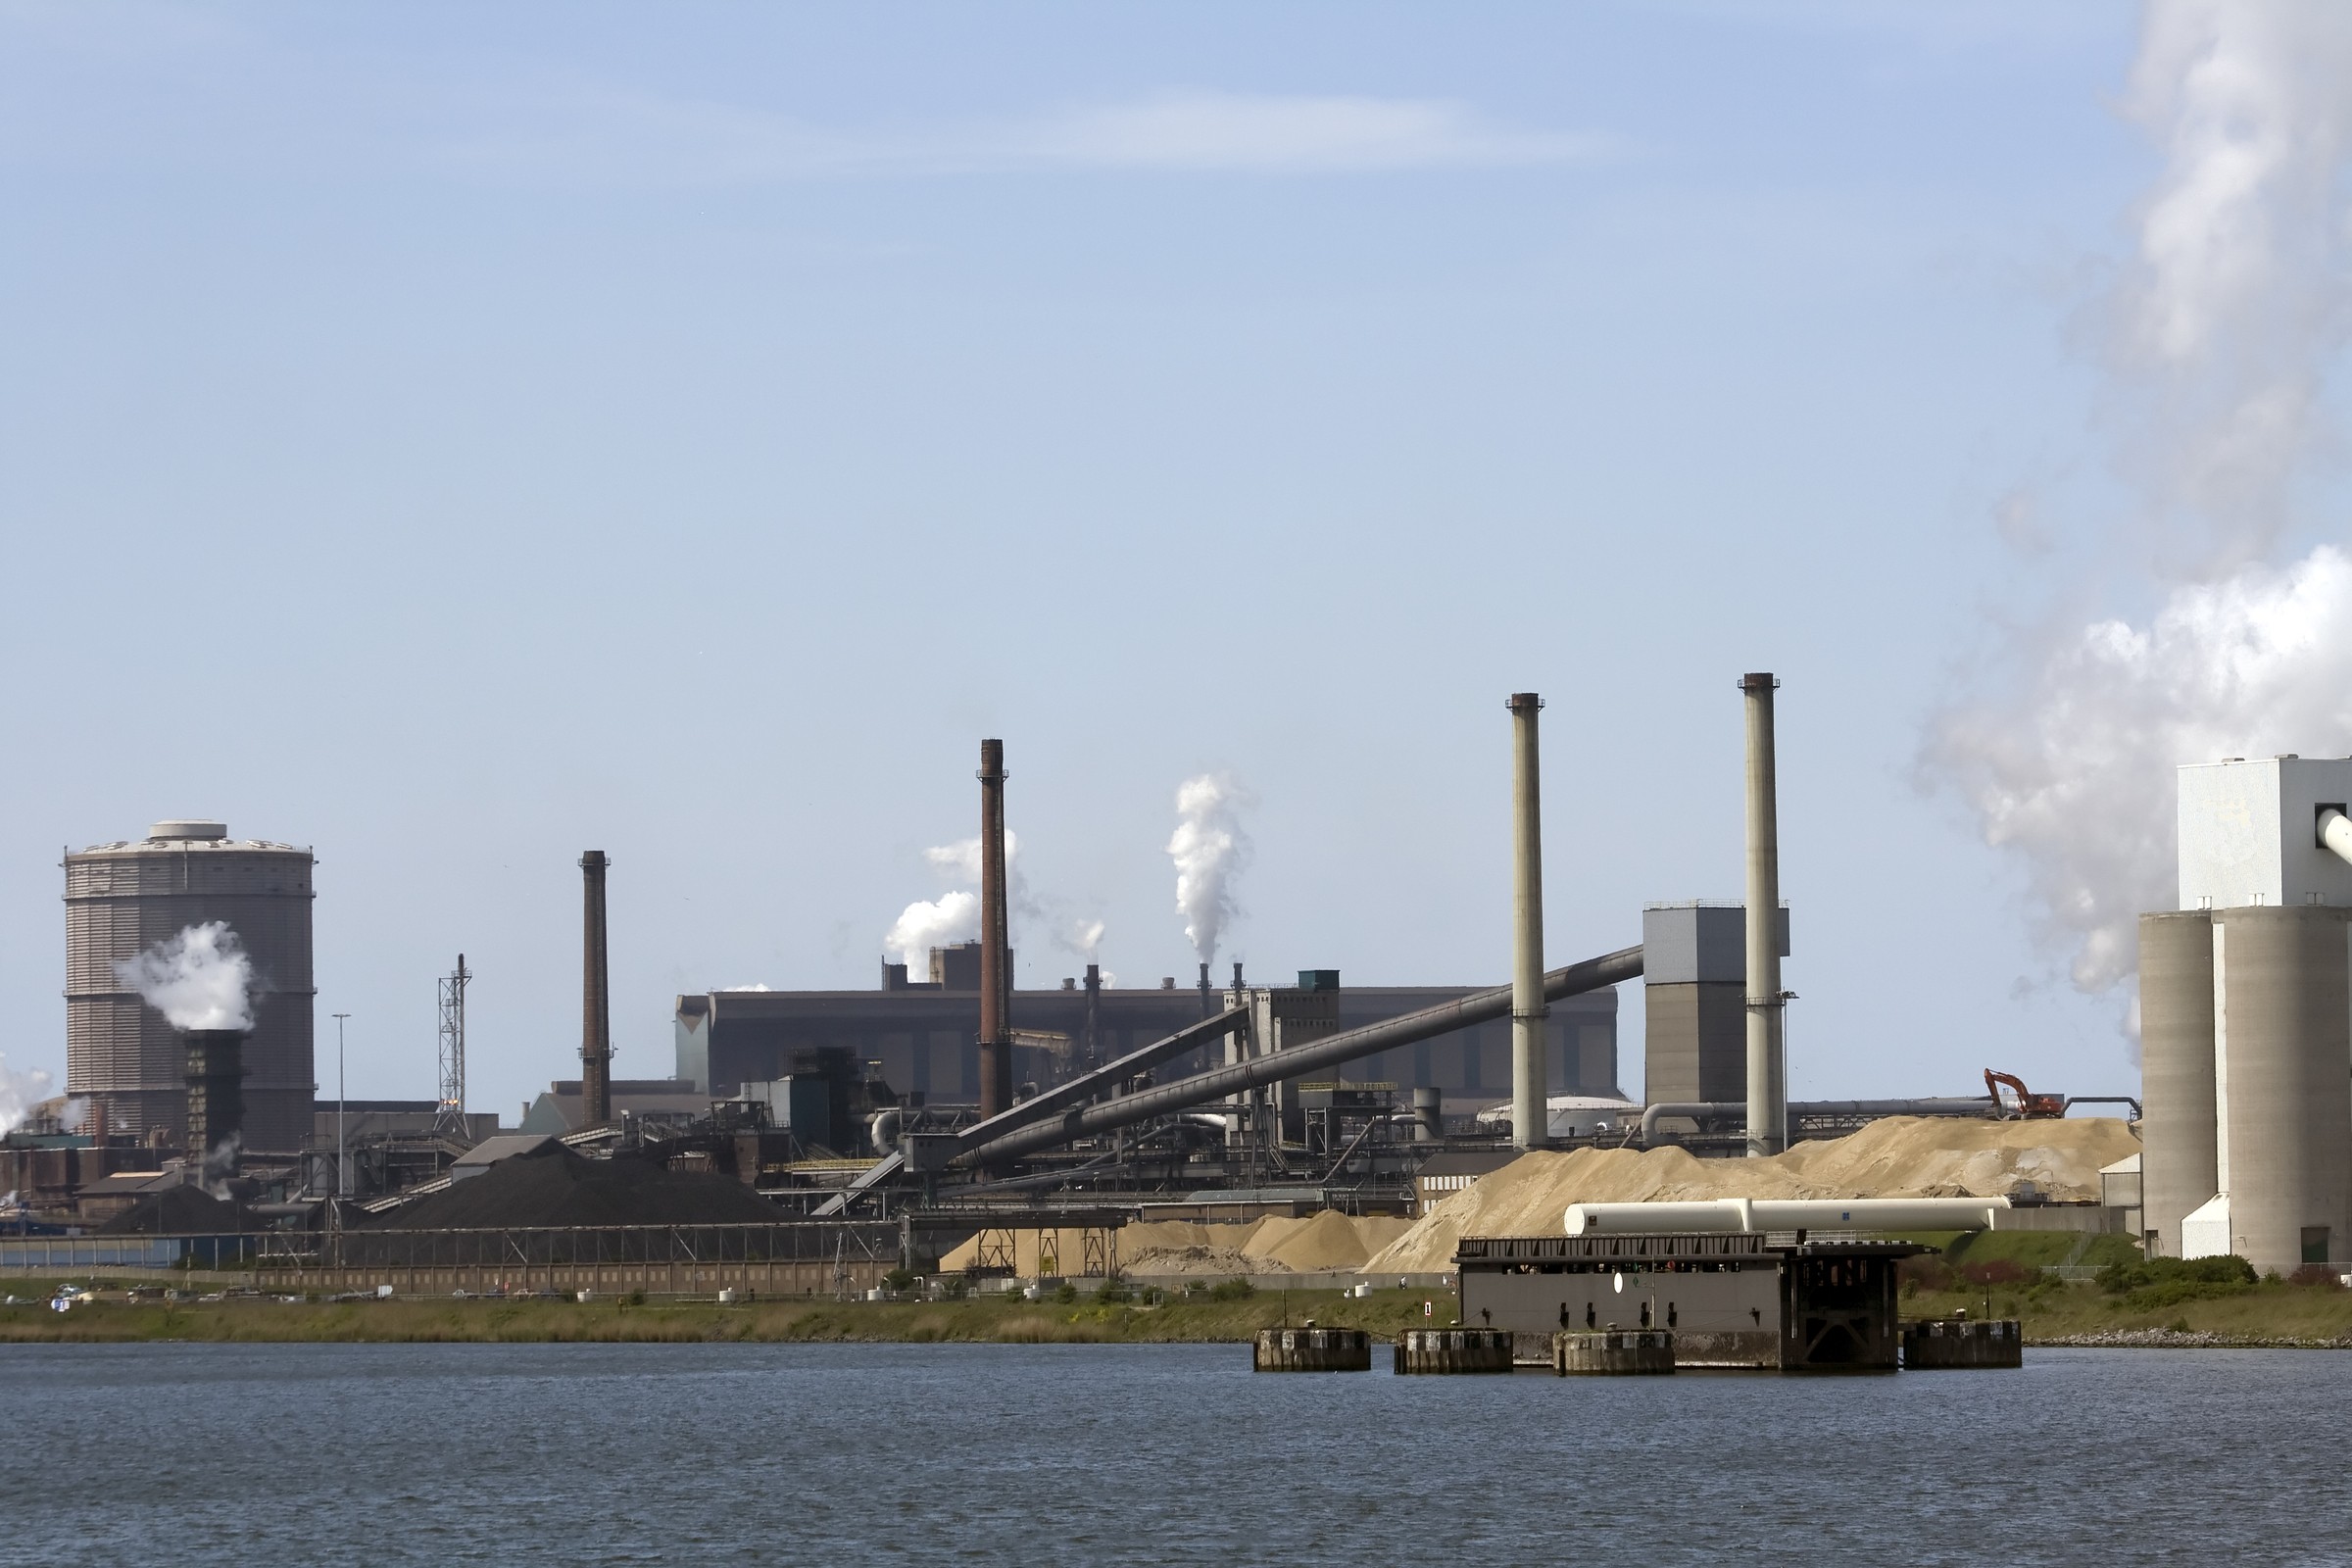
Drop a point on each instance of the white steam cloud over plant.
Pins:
(1209, 850)
(199, 979)
(19, 1092)
(953, 916)
(2226, 328)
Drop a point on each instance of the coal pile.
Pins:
(187, 1210)
(553, 1187)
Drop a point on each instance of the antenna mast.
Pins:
(449, 1119)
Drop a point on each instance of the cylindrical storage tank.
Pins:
(2178, 1124)
(2283, 1044)
(123, 898)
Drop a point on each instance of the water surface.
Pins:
(615, 1453)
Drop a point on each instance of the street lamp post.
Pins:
(342, 1156)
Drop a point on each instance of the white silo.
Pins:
(2246, 1019)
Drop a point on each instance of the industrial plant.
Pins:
(950, 1125)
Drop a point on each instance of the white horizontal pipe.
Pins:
(2336, 833)
(1786, 1214)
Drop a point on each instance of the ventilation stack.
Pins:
(1530, 1117)
(995, 979)
(1767, 1070)
(596, 997)
(215, 1080)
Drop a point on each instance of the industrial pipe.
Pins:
(1767, 1073)
(1530, 1126)
(1736, 1111)
(995, 1020)
(1332, 1051)
(2335, 832)
(1037, 1108)
(1751, 1214)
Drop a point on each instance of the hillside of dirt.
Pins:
(1327, 1241)
(1902, 1156)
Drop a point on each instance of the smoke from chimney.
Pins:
(2221, 334)
(19, 1092)
(953, 916)
(1209, 850)
(199, 979)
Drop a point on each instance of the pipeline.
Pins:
(1038, 1106)
(1737, 1109)
(1752, 1214)
(1594, 974)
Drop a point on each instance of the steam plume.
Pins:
(19, 1092)
(1209, 850)
(2226, 328)
(199, 979)
(922, 926)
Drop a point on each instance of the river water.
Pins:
(1003, 1454)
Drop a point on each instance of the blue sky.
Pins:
(456, 436)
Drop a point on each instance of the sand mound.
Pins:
(1321, 1241)
(1902, 1156)
(1218, 1262)
(1329, 1240)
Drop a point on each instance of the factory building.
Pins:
(125, 897)
(1694, 1000)
(2246, 1019)
(925, 1035)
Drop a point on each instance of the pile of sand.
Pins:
(1903, 1156)
(1214, 1263)
(1327, 1241)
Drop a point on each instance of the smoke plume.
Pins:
(950, 919)
(19, 1092)
(2222, 332)
(220, 1164)
(1209, 850)
(199, 979)
(954, 917)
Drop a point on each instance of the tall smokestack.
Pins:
(1094, 1015)
(596, 997)
(995, 979)
(1208, 1008)
(1530, 1117)
(1767, 1073)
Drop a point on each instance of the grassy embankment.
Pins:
(1997, 1274)
(1989, 1274)
(1196, 1319)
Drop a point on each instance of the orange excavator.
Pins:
(2016, 1102)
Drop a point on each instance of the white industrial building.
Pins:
(2246, 1019)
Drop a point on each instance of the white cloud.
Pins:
(598, 135)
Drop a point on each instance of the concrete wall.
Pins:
(1694, 1041)
(1714, 1301)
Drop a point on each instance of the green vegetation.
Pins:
(1208, 1316)
(2218, 1298)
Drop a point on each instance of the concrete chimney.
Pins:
(996, 982)
(1094, 1017)
(1530, 1120)
(596, 996)
(1767, 1073)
